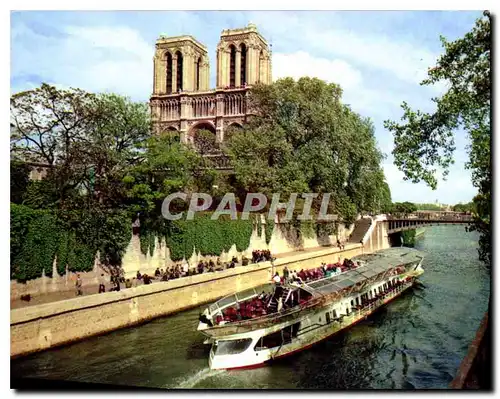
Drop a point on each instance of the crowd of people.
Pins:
(304, 276)
(261, 256)
(176, 271)
(268, 303)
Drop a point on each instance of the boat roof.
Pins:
(370, 265)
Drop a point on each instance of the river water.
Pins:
(416, 341)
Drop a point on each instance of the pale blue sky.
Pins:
(379, 59)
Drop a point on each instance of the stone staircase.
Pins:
(360, 229)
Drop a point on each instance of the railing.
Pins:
(234, 103)
(424, 216)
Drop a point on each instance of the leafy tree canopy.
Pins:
(424, 142)
(303, 139)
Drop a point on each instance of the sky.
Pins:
(378, 58)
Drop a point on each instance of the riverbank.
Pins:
(416, 342)
(39, 327)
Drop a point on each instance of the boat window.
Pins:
(247, 294)
(269, 341)
(334, 313)
(226, 301)
(232, 347)
(327, 316)
(278, 338)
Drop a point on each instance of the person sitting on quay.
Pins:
(234, 260)
(78, 285)
(164, 276)
(201, 267)
(157, 272)
(128, 283)
(102, 284)
(185, 269)
(244, 261)
(146, 279)
(139, 276)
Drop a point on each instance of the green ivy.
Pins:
(144, 241)
(326, 229)
(259, 226)
(269, 230)
(307, 229)
(209, 237)
(72, 238)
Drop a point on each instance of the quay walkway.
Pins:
(93, 289)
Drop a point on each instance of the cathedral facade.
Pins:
(182, 100)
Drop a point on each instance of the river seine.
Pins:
(415, 342)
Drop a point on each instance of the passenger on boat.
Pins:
(280, 304)
(277, 279)
(206, 320)
(286, 274)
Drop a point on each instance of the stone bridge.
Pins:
(419, 219)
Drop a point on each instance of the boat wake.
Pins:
(193, 380)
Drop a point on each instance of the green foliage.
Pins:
(259, 226)
(468, 207)
(408, 238)
(19, 179)
(20, 220)
(307, 229)
(428, 207)
(209, 237)
(404, 207)
(326, 229)
(304, 139)
(424, 142)
(73, 238)
(269, 228)
(40, 194)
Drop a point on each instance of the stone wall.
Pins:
(135, 260)
(39, 327)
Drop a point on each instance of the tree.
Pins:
(424, 141)
(19, 180)
(303, 139)
(468, 207)
(404, 207)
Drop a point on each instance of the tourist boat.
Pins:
(255, 326)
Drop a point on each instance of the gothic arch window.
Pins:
(197, 74)
(232, 66)
(179, 70)
(168, 57)
(243, 74)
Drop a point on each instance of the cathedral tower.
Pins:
(243, 58)
(180, 65)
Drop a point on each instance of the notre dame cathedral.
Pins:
(182, 100)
